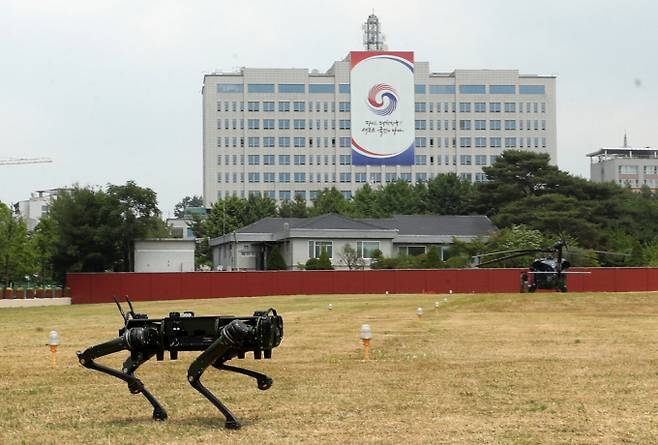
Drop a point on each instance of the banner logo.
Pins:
(382, 99)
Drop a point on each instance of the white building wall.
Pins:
(164, 255)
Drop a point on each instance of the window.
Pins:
(299, 106)
(421, 124)
(365, 249)
(406, 177)
(345, 159)
(300, 177)
(510, 107)
(480, 142)
(494, 142)
(300, 159)
(412, 250)
(420, 89)
(421, 142)
(494, 107)
(480, 159)
(284, 141)
(344, 88)
(291, 88)
(465, 159)
(532, 89)
(253, 159)
(230, 88)
(344, 124)
(344, 107)
(442, 89)
(375, 177)
(465, 142)
(345, 177)
(472, 89)
(360, 177)
(253, 106)
(299, 124)
(268, 124)
(492, 159)
(480, 125)
(284, 106)
(421, 160)
(510, 142)
(253, 124)
(284, 159)
(321, 88)
(494, 125)
(502, 89)
(344, 142)
(464, 124)
(268, 159)
(464, 107)
(465, 177)
(315, 248)
(420, 107)
(480, 107)
(300, 142)
(284, 177)
(268, 106)
(253, 142)
(480, 177)
(390, 177)
(260, 88)
(543, 125)
(421, 177)
(510, 125)
(253, 177)
(284, 124)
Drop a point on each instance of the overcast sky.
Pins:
(111, 90)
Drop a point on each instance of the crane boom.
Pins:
(15, 161)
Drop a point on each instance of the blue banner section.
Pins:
(404, 158)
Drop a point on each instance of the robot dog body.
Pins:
(221, 338)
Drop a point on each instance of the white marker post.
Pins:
(366, 336)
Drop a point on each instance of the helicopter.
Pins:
(549, 272)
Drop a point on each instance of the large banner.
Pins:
(382, 107)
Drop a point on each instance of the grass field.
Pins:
(482, 369)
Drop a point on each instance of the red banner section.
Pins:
(101, 287)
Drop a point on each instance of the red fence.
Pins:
(101, 287)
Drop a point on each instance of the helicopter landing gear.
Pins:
(524, 283)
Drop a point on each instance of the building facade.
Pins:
(282, 132)
(626, 166)
(31, 210)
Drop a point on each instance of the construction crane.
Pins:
(14, 161)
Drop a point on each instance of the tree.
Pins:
(16, 258)
(515, 175)
(275, 260)
(330, 201)
(258, 207)
(365, 203)
(188, 201)
(398, 198)
(225, 216)
(296, 208)
(140, 217)
(324, 263)
(350, 257)
(448, 194)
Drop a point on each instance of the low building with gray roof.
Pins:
(300, 239)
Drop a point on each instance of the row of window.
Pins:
(284, 195)
(481, 124)
(282, 106)
(330, 88)
(481, 107)
(483, 142)
(281, 124)
(282, 142)
(270, 159)
(480, 89)
(635, 169)
(283, 88)
(421, 107)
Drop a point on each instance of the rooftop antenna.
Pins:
(625, 140)
(373, 39)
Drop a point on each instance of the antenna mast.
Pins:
(373, 39)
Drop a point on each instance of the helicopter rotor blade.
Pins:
(508, 257)
(523, 251)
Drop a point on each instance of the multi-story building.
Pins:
(282, 132)
(31, 210)
(627, 166)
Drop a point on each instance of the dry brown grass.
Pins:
(483, 369)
